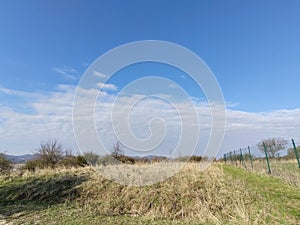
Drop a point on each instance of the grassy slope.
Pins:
(221, 195)
(284, 198)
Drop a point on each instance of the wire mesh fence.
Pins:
(280, 160)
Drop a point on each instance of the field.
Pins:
(223, 194)
(286, 170)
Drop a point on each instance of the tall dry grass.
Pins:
(207, 196)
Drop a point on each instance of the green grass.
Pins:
(284, 198)
(223, 194)
(286, 170)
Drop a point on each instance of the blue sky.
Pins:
(252, 47)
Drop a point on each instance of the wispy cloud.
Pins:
(18, 93)
(99, 75)
(66, 72)
(51, 117)
(108, 87)
(13, 92)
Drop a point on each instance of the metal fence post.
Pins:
(242, 159)
(296, 152)
(267, 158)
(250, 157)
(235, 158)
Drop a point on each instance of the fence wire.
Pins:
(283, 164)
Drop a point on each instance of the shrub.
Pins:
(125, 159)
(32, 165)
(107, 160)
(67, 161)
(91, 158)
(50, 153)
(291, 153)
(195, 158)
(5, 165)
(73, 161)
(81, 161)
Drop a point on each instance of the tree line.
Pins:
(51, 154)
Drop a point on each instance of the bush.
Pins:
(291, 153)
(107, 160)
(67, 161)
(33, 164)
(91, 158)
(193, 158)
(125, 159)
(50, 153)
(73, 161)
(5, 165)
(114, 160)
(81, 161)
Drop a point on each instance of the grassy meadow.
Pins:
(222, 194)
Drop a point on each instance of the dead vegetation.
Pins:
(219, 195)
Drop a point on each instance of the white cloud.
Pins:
(67, 72)
(17, 92)
(109, 87)
(51, 117)
(99, 75)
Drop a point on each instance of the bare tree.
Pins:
(117, 150)
(50, 153)
(273, 145)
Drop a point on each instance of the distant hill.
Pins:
(19, 158)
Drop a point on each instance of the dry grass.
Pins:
(140, 174)
(206, 196)
(219, 195)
